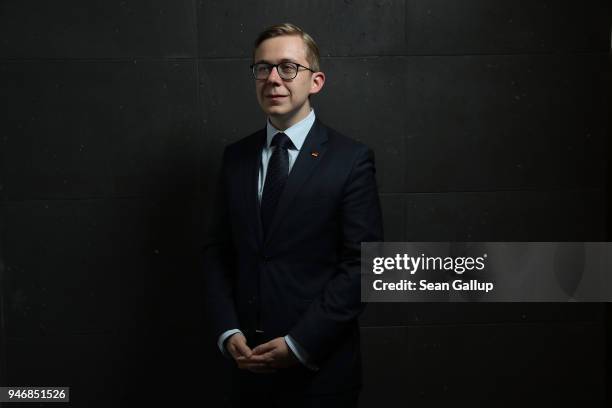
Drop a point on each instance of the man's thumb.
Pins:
(242, 347)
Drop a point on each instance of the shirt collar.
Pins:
(297, 133)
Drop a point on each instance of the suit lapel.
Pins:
(310, 155)
(250, 183)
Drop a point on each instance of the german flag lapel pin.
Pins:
(314, 154)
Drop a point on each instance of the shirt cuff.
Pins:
(221, 342)
(300, 353)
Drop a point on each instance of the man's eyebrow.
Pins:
(283, 60)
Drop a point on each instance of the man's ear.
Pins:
(318, 80)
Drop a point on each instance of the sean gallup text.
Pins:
(424, 285)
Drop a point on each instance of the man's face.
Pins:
(286, 100)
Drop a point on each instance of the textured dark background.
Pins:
(489, 120)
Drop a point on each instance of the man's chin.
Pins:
(276, 112)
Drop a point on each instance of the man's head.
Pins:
(286, 100)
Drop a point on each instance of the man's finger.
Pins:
(248, 363)
(243, 349)
(262, 348)
(233, 351)
(239, 344)
(262, 358)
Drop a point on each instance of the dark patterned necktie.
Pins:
(276, 178)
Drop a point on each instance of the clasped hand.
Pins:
(265, 358)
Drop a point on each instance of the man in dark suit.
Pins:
(282, 265)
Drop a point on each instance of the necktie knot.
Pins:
(282, 141)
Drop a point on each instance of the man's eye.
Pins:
(287, 68)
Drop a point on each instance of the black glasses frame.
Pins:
(271, 66)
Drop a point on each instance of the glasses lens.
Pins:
(287, 70)
(261, 71)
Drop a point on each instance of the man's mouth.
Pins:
(275, 96)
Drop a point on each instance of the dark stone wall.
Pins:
(489, 120)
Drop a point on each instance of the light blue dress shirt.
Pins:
(297, 133)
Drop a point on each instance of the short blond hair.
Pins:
(312, 50)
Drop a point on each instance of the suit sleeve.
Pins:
(217, 257)
(335, 312)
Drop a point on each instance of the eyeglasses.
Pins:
(286, 70)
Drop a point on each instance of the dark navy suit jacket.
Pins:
(303, 278)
